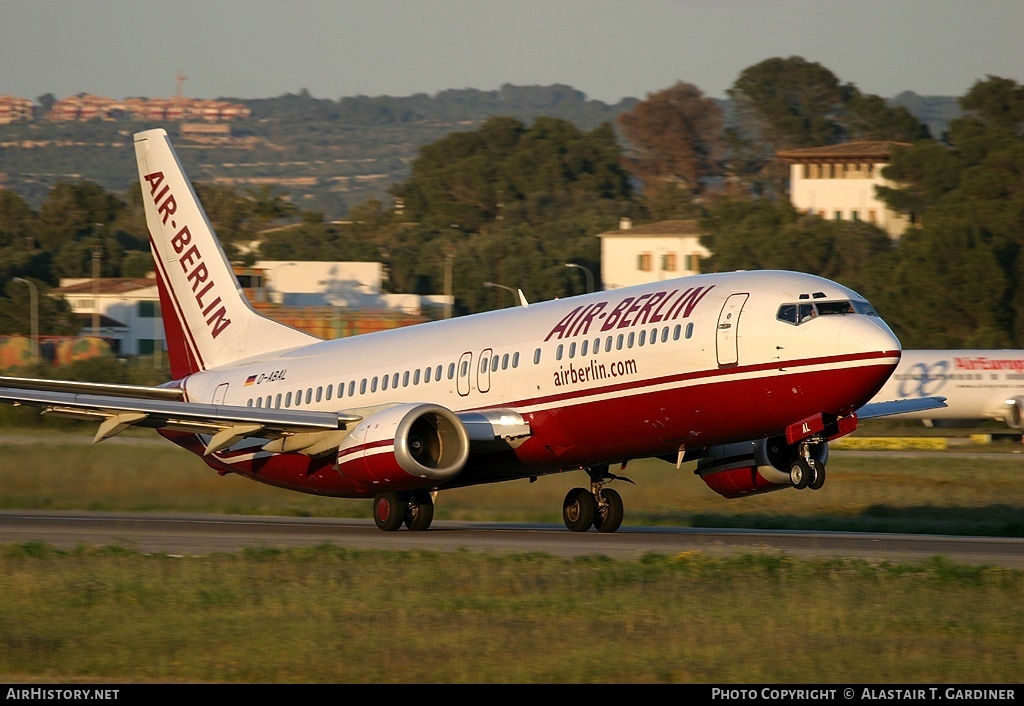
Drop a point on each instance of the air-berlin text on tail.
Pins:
(191, 259)
(651, 308)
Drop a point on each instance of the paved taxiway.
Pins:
(204, 534)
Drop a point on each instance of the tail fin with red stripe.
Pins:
(208, 321)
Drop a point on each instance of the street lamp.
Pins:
(515, 294)
(34, 313)
(97, 251)
(587, 272)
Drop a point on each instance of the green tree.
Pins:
(676, 140)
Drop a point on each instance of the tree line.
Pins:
(512, 202)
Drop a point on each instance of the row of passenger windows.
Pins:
(493, 363)
(299, 397)
(622, 340)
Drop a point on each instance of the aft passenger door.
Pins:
(462, 374)
(728, 325)
(483, 376)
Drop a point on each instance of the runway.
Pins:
(187, 534)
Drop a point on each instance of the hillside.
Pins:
(326, 155)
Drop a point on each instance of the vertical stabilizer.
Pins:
(207, 319)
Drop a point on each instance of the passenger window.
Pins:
(558, 352)
(583, 348)
(384, 383)
(352, 387)
(426, 374)
(504, 362)
(536, 357)
(618, 342)
(464, 369)
(572, 349)
(288, 399)
(373, 384)
(277, 402)
(451, 371)
(608, 344)
(515, 359)
(415, 377)
(394, 381)
(494, 362)
(643, 338)
(259, 402)
(676, 331)
(689, 330)
(319, 393)
(330, 391)
(664, 334)
(362, 386)
(629, 339)
(309, 395)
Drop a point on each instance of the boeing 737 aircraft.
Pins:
(749, 373)
(979, 385)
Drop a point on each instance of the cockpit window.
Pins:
(805, 311)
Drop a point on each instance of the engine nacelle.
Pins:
(752, 467)
(1015, 413)
(405, 447)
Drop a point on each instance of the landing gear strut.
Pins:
(806, 471)
(392, 509)
(599, 507)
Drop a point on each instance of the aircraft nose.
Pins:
(867, 334)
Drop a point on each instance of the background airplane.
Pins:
(749, 373)
(979, 385)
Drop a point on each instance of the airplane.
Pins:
(748, 373)
(979, 386)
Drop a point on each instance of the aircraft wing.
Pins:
(225, 424)
(884, 409)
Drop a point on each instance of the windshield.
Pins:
(801, 312)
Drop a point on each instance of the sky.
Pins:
(607, 49)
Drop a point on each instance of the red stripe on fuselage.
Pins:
(567, 434)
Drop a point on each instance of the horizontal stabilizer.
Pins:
(884, 409)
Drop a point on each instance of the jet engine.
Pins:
(752, 467)
(405, 447)
(1015, 413)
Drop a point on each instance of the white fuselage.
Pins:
(978, 385)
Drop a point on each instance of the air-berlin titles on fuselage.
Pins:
(191, 260)
(652, 308)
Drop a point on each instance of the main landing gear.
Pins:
(415, 510)
(599, 507)
(806, 471)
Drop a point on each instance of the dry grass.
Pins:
(949, 493)
(330, 615)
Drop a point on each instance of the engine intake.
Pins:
(752, 467)
(406, 446)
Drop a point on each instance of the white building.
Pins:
(838, 182)
(648, 253)
(123, 310)
(351, 285)
(126, 311)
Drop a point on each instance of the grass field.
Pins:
(327, 615)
